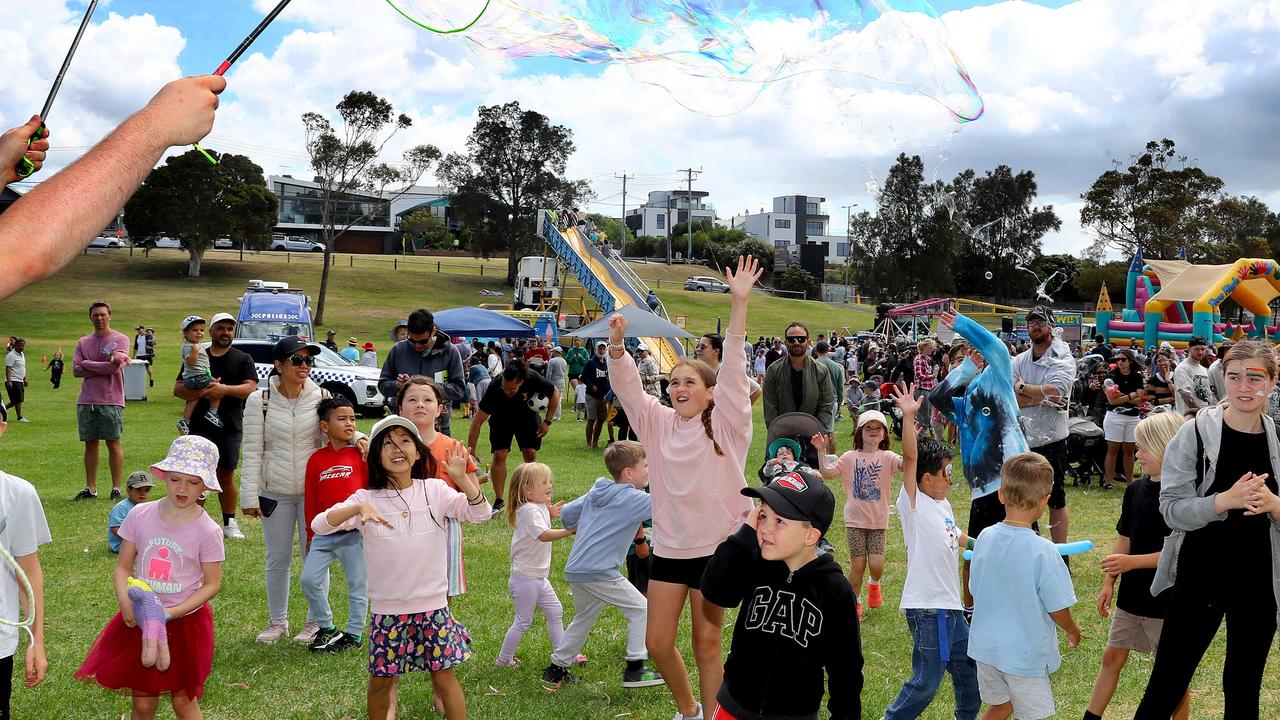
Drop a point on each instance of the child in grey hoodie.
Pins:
(605, 519)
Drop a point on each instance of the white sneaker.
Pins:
(231, 530)
(696, 716)
(308, 633)
(274, 633)
(23, 419)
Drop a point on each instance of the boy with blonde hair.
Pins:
(1021, 589)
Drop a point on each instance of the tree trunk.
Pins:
(318, 320)
(513, 265)
(193, 263)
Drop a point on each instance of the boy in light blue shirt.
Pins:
(1021, 590)
(139, 487)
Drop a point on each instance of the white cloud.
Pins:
(1066, 90)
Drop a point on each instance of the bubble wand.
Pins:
(244, 45)
(25, 167)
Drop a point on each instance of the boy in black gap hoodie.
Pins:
(798, 616)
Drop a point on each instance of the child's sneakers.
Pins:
(579, 659)
(512, 663)
(874, 597)
(637, 675)
(211, 416)
(184, 426)
(859, 609)
(555, 676)
(333, 641)
(696, 716)
(308, 632)
(274, 633)
(323, 637)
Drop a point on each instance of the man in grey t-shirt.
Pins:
(1191, 387)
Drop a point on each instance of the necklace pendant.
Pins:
(404, 514)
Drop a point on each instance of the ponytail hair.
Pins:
(706, 425)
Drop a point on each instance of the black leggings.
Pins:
(1190, 625)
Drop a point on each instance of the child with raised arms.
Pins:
(931, 599)
(176, 548)
(1138, 618)
(529, 514)
(604, 520)
(334, 472)
(402, 520)
(796, 625)
(867, 471)
(700, 445)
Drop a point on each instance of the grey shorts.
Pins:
(1134, 632)
(100, 422)
(597, 408)
(1032, 697)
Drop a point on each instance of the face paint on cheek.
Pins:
(1256, 374)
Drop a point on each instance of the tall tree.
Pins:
(346, 161)
(196, 202)
(1159, 202)
(1001, 230)
(423, 230)
(1242, 227)
(514, 165)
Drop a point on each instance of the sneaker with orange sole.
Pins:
(874, 598)
(859, 610)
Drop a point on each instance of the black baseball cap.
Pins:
(1040, 312)
(291, 344)
(798, 495)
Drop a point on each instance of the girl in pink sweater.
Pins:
(699, 453)
(403, 519)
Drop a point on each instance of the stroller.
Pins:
(800, 427)
(1086, 447)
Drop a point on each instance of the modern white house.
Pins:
(301, 208)
(795, 220)
(665, 208)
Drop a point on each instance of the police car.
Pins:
(272, 310)
(332, 372)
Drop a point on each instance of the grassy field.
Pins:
(285, 681)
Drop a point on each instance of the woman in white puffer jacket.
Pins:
(281, 430)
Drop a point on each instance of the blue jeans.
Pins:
(927, 665)
(348, 549)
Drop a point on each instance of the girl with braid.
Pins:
(698, 453)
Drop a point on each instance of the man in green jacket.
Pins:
(798, 384)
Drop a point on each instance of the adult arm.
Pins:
(473, 435)
(387, 377)
(771, 388)
(46, 228)
(1056, 389)
(13, 147)
(81, 365)
(454, 387)
(253, 446)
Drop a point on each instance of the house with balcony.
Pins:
(795, 220)
(376, 217)
(664, 208)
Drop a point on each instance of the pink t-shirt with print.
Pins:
(868, 478)
(170, 556)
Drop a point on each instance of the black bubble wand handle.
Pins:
(240, 49)
(25, 167)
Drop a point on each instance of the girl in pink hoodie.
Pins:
(699, 453)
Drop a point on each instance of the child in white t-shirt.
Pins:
(931, 598)
(579, 400)
(529, 513)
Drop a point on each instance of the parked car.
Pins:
(339, 376)
(705, 284)
(223, 243)
(167, 243)
(106, 241)
(294, 243)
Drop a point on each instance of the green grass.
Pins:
(285, 681)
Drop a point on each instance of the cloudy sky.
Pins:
(1067, 87)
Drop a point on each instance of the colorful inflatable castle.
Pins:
(1173, 301)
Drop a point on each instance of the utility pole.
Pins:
(623, 251)
(689, 176)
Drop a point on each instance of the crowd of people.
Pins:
(675, 513)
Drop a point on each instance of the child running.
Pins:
(530, 513)
(401, 518)
(867, 471)
(195, 372)
(1138, 617)
(931, 597)
(334, 473)
(176, 548)
(1021, 589)
(796, 619)
(605, 520)
(702, 444)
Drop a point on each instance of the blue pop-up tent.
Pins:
(478, 322)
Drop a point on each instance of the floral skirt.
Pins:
(427, 641)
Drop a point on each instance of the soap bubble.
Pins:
(989, 275)
(986, 411)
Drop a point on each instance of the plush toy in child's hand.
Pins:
(150, 616)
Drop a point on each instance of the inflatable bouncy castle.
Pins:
(1174, 300)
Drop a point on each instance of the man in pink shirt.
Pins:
(100, 359)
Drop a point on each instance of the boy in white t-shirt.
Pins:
(931, 597)
(23, 530)
(579, 399)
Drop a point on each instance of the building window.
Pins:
(782, 224)
(812, 208)
(781, 243)
(305, 206)
(813, 228)
(662, 221)
(842, 249)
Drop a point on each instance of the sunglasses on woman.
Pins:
(299, 360)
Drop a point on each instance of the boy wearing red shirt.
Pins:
(334, 473)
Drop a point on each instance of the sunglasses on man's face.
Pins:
(420, 343)
(300, 360)
(797, 338)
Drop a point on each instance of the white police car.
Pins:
(332, 372)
